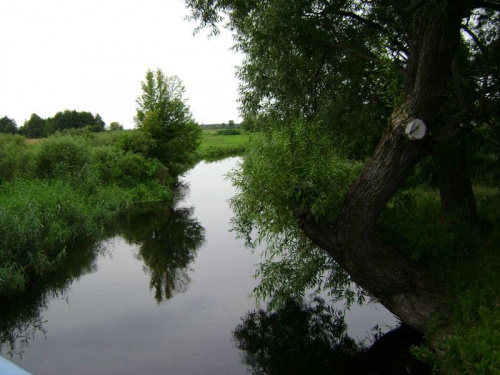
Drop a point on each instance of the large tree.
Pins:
(163, 114)
(370, 68)
(8, 125)
(34, 127)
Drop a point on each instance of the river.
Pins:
(161, 295)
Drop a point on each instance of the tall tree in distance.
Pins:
(8, 125)
(163, 114)
(115, 126)
(34, 127)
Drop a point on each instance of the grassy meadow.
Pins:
(215, 145)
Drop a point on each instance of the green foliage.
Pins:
(413, 222)
(73, 120)
(63, 157)
(472, 345)
(34, 127)
(164, 116)
(229, 132)
(8, 125)
(112, 166)
(16, 160)
(341, 66)
(115, 126)
(64, 189)
(138, 142)
(282, 172)
(469, 341)
(40, 218)
(108, 138)
(215, 146)
(467, 261)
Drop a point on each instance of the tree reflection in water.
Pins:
(308, 339)
(21, 317)
(168, 239)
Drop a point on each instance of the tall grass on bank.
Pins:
(64, 189)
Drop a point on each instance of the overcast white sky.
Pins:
(91, 55)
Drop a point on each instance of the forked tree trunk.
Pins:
(398, 283)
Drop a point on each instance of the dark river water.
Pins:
(162, 295)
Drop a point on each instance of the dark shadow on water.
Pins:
(21, 317)
(167, 240)
(312, 339)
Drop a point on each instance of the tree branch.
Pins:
(366, 57)
(475, 38)
(376, 26)
(316, 78)
(487, 72)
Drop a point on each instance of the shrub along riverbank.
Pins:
(63, 189)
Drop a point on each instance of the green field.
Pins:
(215, 146)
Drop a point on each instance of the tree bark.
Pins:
(450, 160)
(399, 284)
(455, 187)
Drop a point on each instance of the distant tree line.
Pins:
(230, 125)
(37, 127)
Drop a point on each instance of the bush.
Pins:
(16, 160)
(467, 261)
(138, 142)
(280, 173)
(114, 166)
(229, 132)
(63, 157)
(79, 189)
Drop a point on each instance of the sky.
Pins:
(91, 55)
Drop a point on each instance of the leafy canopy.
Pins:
(163, 116)
(8, 125)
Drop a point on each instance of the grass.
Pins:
(61, 190)
(215, 146)
(466, 260)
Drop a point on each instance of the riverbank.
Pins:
(62, 190)
(65, 188)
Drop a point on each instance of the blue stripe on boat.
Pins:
(9, 368)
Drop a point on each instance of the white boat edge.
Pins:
(9, 368)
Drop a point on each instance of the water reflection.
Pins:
(21, 317)
(167, 240)
(311, 338)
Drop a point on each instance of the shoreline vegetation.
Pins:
(67, 188)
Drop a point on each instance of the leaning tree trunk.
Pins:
(398, 283)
